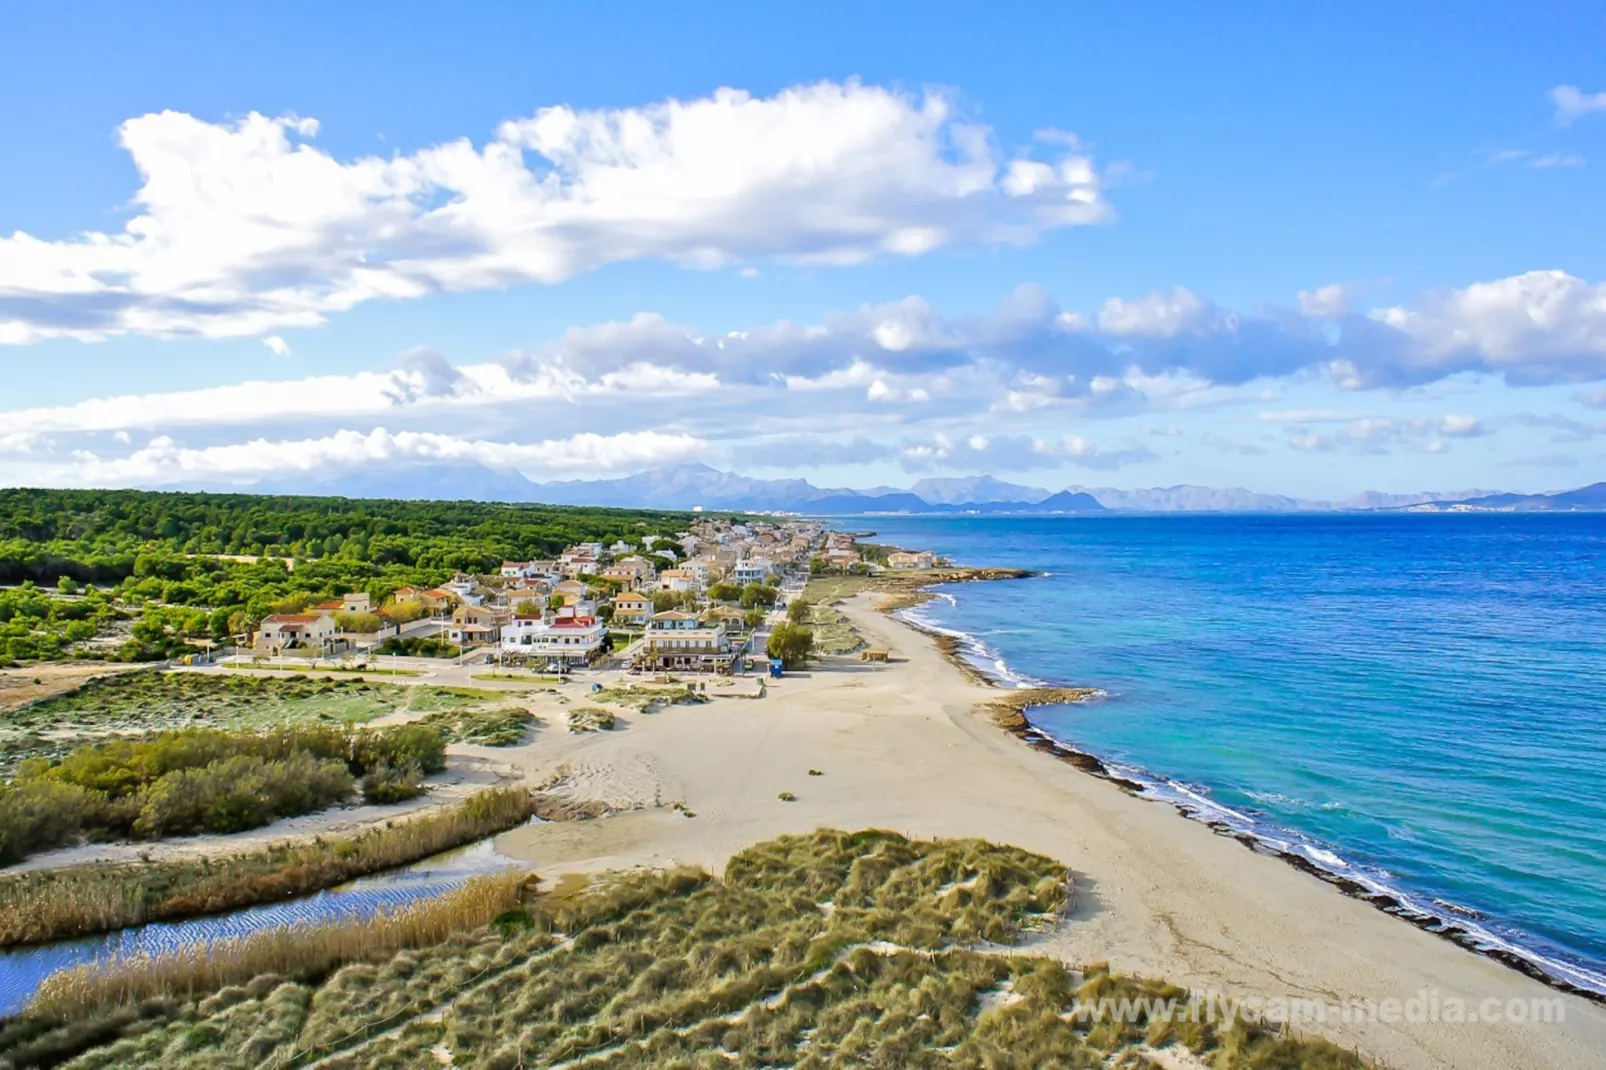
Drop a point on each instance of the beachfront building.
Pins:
(631, 607)
(307, 631)
(564, 641)
(914, 559)
(683, 642)
(473, 624)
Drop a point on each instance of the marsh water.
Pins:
(23, 969)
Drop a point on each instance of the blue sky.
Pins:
(908, 297)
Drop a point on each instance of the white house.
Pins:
(679, 640)
(313, 631)
(567, 640)
(752, 570)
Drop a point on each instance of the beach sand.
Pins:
(901, 747)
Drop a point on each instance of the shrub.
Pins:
(386, 783)
(240, 793)
(38, 815)
(409, 744)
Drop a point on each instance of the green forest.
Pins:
(208, 565)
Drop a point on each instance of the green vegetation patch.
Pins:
(591, 719)
(816, 951)
(638, 697)
(204, 780)
(503, 726)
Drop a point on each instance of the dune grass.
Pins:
(640, 697)
(51, 904)
(502, 726)
(831, 949)
(591, 719)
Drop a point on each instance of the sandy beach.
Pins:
(900, 746)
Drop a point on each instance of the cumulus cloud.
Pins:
(1027, 358)
(276, 345)
(165, 460)
(245, 227)
(1537, 327)
(1572, 103)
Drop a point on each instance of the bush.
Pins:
(179, 783)
(386, 783)
(410, 744)
(38, 815)
(240, 793)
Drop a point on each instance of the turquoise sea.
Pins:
(1416, 702)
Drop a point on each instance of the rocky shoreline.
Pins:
(1010, 713)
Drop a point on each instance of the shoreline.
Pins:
(1393, 902)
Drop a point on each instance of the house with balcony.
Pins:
(565, 642)
(911, 559)
(676, 641)
(473, 624)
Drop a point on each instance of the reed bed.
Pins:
(54, 904)
(296, 951)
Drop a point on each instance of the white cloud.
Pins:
(276, 345)
(1326, 302)
(1170, 351)
(242, 228)
(1379, 434)
(1540, 326)
(1571, 103)
(164, 460)
(1556, 159)
(1163, 314)
(1015, 453)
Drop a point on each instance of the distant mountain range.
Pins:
(1583, 500)
(690, 486)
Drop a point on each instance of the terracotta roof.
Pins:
(291, 618)
(574, 622)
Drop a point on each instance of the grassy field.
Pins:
(142, 702)
(825, 950)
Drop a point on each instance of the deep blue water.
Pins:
(1418, 701)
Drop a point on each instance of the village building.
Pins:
(911, 559)
(631, 607)
(564, 641)
(683, 642)
(309, 631)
